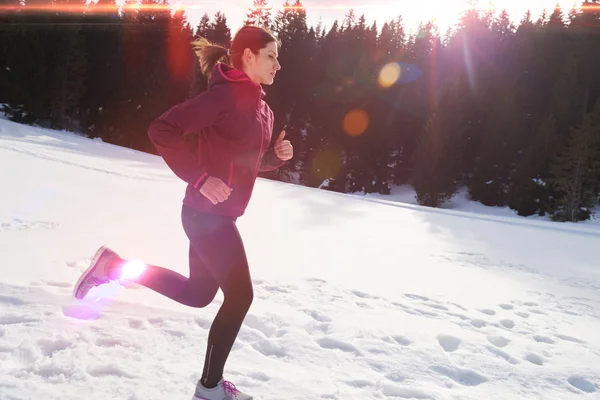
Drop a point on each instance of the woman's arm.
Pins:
(168, 131)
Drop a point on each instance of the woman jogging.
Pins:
(230, 128)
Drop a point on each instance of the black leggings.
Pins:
(217, 260)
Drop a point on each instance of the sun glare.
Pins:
(389, 74)
(446, 13)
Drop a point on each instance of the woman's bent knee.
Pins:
(202, 299)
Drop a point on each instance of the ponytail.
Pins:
(208, 54)
(248, 37)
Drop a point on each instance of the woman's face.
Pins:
(261, 67)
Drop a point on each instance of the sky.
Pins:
(445, 12)
(355, 297)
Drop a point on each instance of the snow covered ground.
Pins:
(405, 194)
(355, 297)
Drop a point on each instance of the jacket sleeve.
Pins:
(270, 161)
(168, 131)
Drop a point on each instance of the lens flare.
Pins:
(356, 122)
(132, 270)
(327, 164)
(389, 75)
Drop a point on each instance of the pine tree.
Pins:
(349, 21)
(102, 33)
(29, 87)
(219, 32)
(259, 14)
(490, 179)
(69, 71)
(290, 96)
(530, 191)
(437, 165)
(8, 36)
(575, 171)
(145, 87)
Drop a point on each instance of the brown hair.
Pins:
(248, 37)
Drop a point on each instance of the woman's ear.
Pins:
(248, 55)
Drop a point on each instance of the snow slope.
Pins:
(355, 298)
(405, 194)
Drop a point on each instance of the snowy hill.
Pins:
(355, 298)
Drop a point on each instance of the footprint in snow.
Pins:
(176, 333)
(478, 323)
(522, 314)
(416, 297)
(543, 339)
(438, 307)
(498, 341)
(265, 346)
(364, 295)
(582, 383)
(502, 354)
(487, 311)
(86, 311)
(507, 306)
(362, 304)
(395, 376)
(261, 324)
(460, 316)
(534, 359)
(279, 289)
(462, 376)
(335, 344)
(16, 319)
(317, 316)
(401, 340)
(359, 383)
(101, 371)
(12, 300)
(51, 346)
(138, 323)
(458, 306)
(449, 343)
(426, 313)
(320, 327)
(157, 322)
(569, 338)
(507, 323)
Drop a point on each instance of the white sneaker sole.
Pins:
(89, 271)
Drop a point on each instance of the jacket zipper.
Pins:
(230, 174)
(262, 134)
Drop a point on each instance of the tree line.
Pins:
(511, 111)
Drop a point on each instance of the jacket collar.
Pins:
(223, 73)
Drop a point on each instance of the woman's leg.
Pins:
(198, 290)
(218, 243)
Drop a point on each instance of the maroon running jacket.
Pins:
(223, 132)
